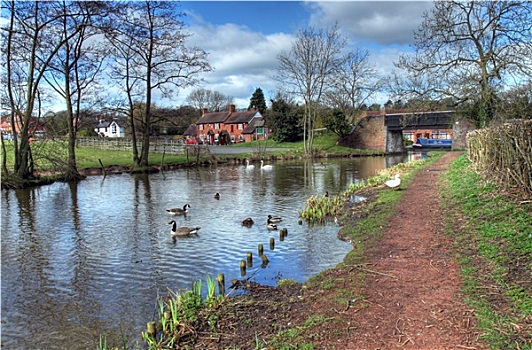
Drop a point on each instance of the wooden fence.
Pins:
(504, 153)
(120, 144)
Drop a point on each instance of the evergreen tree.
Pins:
(285, 119)
(258, 101)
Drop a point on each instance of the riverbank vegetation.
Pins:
(492, 230)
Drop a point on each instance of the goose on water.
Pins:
(394, 183)
(265, 167)
(179, 211)
(183, 231)
(274, 219)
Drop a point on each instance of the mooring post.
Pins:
(221, 283)
(249, 256)
(261, 249)
(272, 243)
(242, 267)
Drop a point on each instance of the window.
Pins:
(201, 126)
(240, 126)
(113, 128)
(260, 131)
(216, 126)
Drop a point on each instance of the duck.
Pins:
(183, 231)
(394, 183)
(248, 165)
(270, 225)
(179, 211)
(216, 195)
(326, 194)
(248, 222)
(265, 167)
(274, 219)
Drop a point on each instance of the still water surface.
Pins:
(80, 260)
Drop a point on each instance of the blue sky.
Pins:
(243, 38)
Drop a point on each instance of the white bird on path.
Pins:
(394, 183)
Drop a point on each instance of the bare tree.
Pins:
(306, 71)
(160, 60)
(469, 50)
(32, 42)
(74, 70)
(210, 99)
(354, 83)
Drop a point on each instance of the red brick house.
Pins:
(227, 126)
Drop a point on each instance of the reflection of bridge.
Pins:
(384, 131)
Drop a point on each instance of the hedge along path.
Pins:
(413, 300)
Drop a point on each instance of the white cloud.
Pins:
(379, 22)
(242, 60)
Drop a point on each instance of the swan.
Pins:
(248, 165)
(248, 222)
(274, 219)
(183, 231)
(394, 183)
(179, 211)
(265, 167)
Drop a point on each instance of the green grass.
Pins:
(493, 234)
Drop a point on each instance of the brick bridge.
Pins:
(384, 131)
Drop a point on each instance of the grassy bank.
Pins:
(493, 235)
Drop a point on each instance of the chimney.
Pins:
(204, 111)
(232, 108)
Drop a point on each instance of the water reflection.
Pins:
(89, 258)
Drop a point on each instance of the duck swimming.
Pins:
(274, 219)
(179, 211)
(248, 222)
(394, 183)
(216, 195)
(183, 231)
(270, 225)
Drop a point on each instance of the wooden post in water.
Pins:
(272, 243)
(261, 249)
(265, 260)
(242, 267)
(281, 236)
(221, 284)
(249, 256)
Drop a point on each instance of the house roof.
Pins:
(255, 123)
(242, 117)
(191, 130)
(213, 117)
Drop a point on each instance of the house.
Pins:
(225, 127)
(109, 129)
(256, 130)
(36, 127)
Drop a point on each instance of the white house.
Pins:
(110, 129)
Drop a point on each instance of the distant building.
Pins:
(109, 129)
(228, 126)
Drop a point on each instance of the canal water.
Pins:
(80, 260)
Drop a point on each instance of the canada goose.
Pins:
(216, 195)
(274, 219)
(270, 225)
(248, 165)
(248, 222)
(183, 231)
(394, 183)
(179, 211)
(265, 167)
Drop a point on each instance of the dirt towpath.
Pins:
(414, 301)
